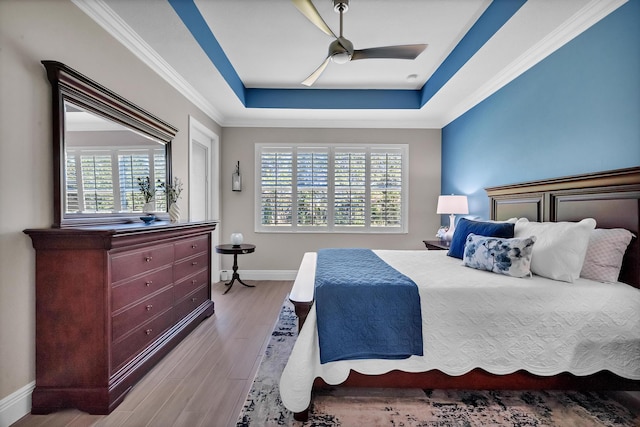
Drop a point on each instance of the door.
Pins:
(204, 179)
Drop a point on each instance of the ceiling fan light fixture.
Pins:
(341, 58)
(340, 51)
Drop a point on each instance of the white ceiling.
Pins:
(275, 46)
(271, 45)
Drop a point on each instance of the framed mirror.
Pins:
(103, 146)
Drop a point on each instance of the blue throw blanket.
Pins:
(366, 309)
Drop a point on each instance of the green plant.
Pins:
(147, 189)
(172, 191)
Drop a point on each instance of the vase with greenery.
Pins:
(148, 191)
(173, 191)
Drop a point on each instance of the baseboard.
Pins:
(260, 274)
(16, 405)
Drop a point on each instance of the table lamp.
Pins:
(452, 205)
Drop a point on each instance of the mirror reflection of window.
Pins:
(103, 163)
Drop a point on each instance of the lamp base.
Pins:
(449, 234)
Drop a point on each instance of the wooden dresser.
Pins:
(111, 301)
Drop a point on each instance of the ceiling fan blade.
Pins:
(407, 51)
(314, 76)
(311, 13)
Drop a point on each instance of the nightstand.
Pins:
(235, 250)
(437, 245)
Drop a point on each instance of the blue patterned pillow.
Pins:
(481, 228)
(505, 256)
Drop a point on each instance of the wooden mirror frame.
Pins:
(69, 85)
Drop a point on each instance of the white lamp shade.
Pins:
(452, 205)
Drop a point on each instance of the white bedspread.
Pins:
(476, 319)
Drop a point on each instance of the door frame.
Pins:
(213, 186)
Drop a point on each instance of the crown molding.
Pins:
(586, 17)
(104, 16)
(332, 123)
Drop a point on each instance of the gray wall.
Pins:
(280, 251)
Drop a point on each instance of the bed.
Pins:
(484, 360)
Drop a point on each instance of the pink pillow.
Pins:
(605, 252)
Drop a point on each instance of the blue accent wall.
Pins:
(577, 111)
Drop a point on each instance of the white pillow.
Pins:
(560, 246)
(605, 253)
(509, 221)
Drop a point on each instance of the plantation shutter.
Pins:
(107, 180)
(159, 171)
(132, 167)
(331, 188)
(386, 188)
(276, 198)
(71, 181)
(350, 198)
(97, 182)
(312, 186)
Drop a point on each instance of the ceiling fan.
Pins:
(341, 50)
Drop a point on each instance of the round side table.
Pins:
(235, 250)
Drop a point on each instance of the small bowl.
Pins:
(148, 219)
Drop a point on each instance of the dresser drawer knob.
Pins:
(148, 331)
(149, 307)
(194, 263)
(148, 283)
(194, 246)
(194, 299)
(148, 258)
(194, 281)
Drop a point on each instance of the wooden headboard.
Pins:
(612, 198)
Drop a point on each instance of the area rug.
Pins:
(414, 407)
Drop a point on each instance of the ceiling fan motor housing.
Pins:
(341, 50)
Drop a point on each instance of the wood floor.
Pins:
(205, 379)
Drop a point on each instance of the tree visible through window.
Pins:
(331, 188)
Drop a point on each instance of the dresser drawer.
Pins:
(191, 247)
(190, 266)
(140, 287)
(140, 313)
(129, 264)
(192, 302)
(139, 338)
(189, 284)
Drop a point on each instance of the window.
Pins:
(331, 188)
(106, 181)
